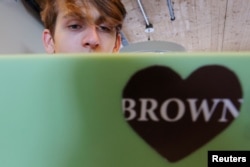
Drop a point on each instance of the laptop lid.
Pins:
(167, 109)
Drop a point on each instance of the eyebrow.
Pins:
(99, 20)
(74, 15)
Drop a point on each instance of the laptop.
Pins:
(126, 110)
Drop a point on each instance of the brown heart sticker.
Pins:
(175, 116)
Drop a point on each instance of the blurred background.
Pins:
(157, 26)
(20, 30)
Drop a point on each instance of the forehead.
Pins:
(74, 7)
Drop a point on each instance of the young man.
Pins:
(77, 26)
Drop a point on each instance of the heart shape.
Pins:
(175, 116)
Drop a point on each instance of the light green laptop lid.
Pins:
(126, 110)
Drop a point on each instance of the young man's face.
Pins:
(74, 34)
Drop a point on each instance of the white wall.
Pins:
(20, 32)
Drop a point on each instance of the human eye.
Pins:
(74, 26)
(106, 28)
